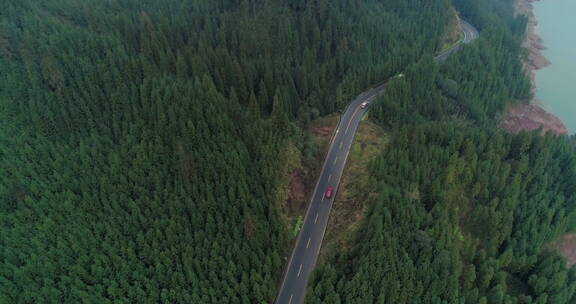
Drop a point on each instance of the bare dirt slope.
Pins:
(528, 117)
(567, 247)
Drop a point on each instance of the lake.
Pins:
(556, 84)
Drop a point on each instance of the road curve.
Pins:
(309, 241)
(470, 34)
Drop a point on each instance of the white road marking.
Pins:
(316, 219)
(308, 244)
(341, 143)
(290, 301)
(351, 119)
(336, 159)
(299, 270)
(329, 177)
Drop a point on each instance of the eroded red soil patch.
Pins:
(528, 117)
(567, 247)
(322, 131)
(297, 193)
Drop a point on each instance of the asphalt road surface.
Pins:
(470, 34)
(305, 252)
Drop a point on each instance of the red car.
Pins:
(328, 193)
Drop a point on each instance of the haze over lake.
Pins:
(557, 82)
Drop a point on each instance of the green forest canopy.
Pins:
(141, 142)
(140, 145)
(464, 213)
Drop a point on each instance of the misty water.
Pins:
(557, 82)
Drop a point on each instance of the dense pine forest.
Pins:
(142, 142)
(143, 148)
(464, 213)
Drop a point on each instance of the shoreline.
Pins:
(533, 42)
(516, 116)
(531, 116)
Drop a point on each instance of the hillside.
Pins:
(142, 143)
(145, 147)
(465, 212)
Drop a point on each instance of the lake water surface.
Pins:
(557, 82)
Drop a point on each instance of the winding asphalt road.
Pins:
(470, 34)
(305, 253)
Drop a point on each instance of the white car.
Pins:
(364, 105)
